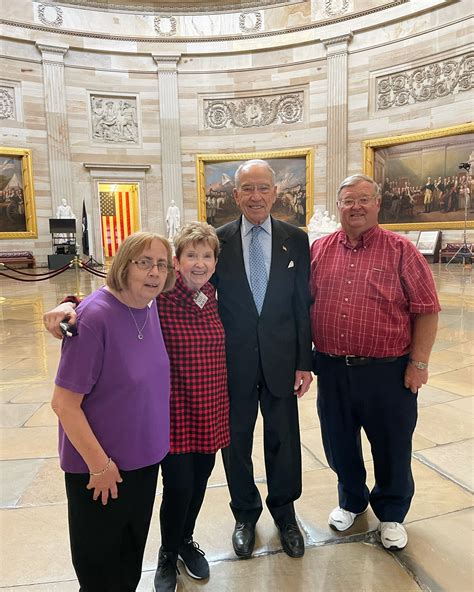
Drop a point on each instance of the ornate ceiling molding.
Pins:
(217, 38)
(182, 6)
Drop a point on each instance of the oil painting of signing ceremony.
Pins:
(424, 183)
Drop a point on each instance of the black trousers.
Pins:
(108, 542)
(282, 451)
(374, 398)
(185, 479)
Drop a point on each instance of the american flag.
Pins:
(117, 212)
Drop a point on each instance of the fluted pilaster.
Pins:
(56, 125)
(337, 58)
(167, 68)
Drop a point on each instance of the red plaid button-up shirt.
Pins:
(365, 297)
(195, 341)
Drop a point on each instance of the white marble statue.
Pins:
(64, 210)
(321, 224)
(173, 220)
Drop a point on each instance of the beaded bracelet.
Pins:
(104, 470)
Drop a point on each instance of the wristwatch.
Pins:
(419, 365)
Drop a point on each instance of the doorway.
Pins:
(119, 214)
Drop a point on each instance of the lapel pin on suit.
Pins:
(284, 248)
(291, 264)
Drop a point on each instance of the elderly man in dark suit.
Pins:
(263, 295)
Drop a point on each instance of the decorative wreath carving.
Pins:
(257, 26)
(172, 22)
(57, 22)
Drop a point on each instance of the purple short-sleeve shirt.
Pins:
(126, 382)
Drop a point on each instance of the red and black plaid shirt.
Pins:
(195, 341)
(365, 296)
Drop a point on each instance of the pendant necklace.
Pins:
(140, 331)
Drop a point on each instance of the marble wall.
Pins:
(139, 105)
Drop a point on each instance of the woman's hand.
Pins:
(105, 484)
(52, 318)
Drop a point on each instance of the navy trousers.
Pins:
(374, 398)
(282, 452)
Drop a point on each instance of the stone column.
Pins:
(337, 53)
(57, 127)
(167, 68)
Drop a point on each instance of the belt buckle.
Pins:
(348, 359)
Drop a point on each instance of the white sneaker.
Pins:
(393, 535)
(341, 519)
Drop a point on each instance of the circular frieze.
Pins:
(50, 15)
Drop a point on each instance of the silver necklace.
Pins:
(140, 331)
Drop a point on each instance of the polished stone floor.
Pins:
(34, 552)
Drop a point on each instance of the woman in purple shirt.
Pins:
(112, 401)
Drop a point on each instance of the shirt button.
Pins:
(352, 265)
(349, 282)
(343, 316)
(342, 334)
(346, 299)
(355, 250)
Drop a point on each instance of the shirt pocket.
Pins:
(384, 287)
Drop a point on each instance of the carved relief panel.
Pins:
(114, 119)
(10, 100)
(426, 82)
(253, 111)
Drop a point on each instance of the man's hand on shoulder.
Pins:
(52, 318)
(303, 379)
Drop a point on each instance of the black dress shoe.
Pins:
(291, 539)
(243, 539)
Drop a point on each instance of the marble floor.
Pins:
(34, 551)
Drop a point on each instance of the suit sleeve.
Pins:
(301, 304)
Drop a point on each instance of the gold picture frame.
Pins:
(294, 179)
(17, 196)
(417, 161)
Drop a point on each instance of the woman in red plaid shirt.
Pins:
(199, 404)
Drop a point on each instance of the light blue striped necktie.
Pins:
(258, 271)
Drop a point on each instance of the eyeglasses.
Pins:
(145, 264)
(364, 200)
(261, 189)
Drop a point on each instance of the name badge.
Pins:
(200, 299)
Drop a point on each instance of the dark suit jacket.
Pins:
(282, 333)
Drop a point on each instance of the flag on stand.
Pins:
(85, 231)
(116, 210)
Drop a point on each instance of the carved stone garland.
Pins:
(253, 111)
(426, 83)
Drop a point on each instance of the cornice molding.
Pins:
(217, 38)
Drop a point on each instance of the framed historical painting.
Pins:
(17, 200)
(425, 178)
(293, 177)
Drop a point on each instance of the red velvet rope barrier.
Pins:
(40, 279)
(33, 274)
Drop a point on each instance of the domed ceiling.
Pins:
(177, 6)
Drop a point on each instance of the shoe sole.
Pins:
(176, 588)
(190, 573)
(393, 548)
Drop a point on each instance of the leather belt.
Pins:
(361, 360)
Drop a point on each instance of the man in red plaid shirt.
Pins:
(374, 322)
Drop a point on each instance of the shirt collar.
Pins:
(364, 239)
(247, 226)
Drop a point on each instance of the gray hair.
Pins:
(250, 163)
(355, 180)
